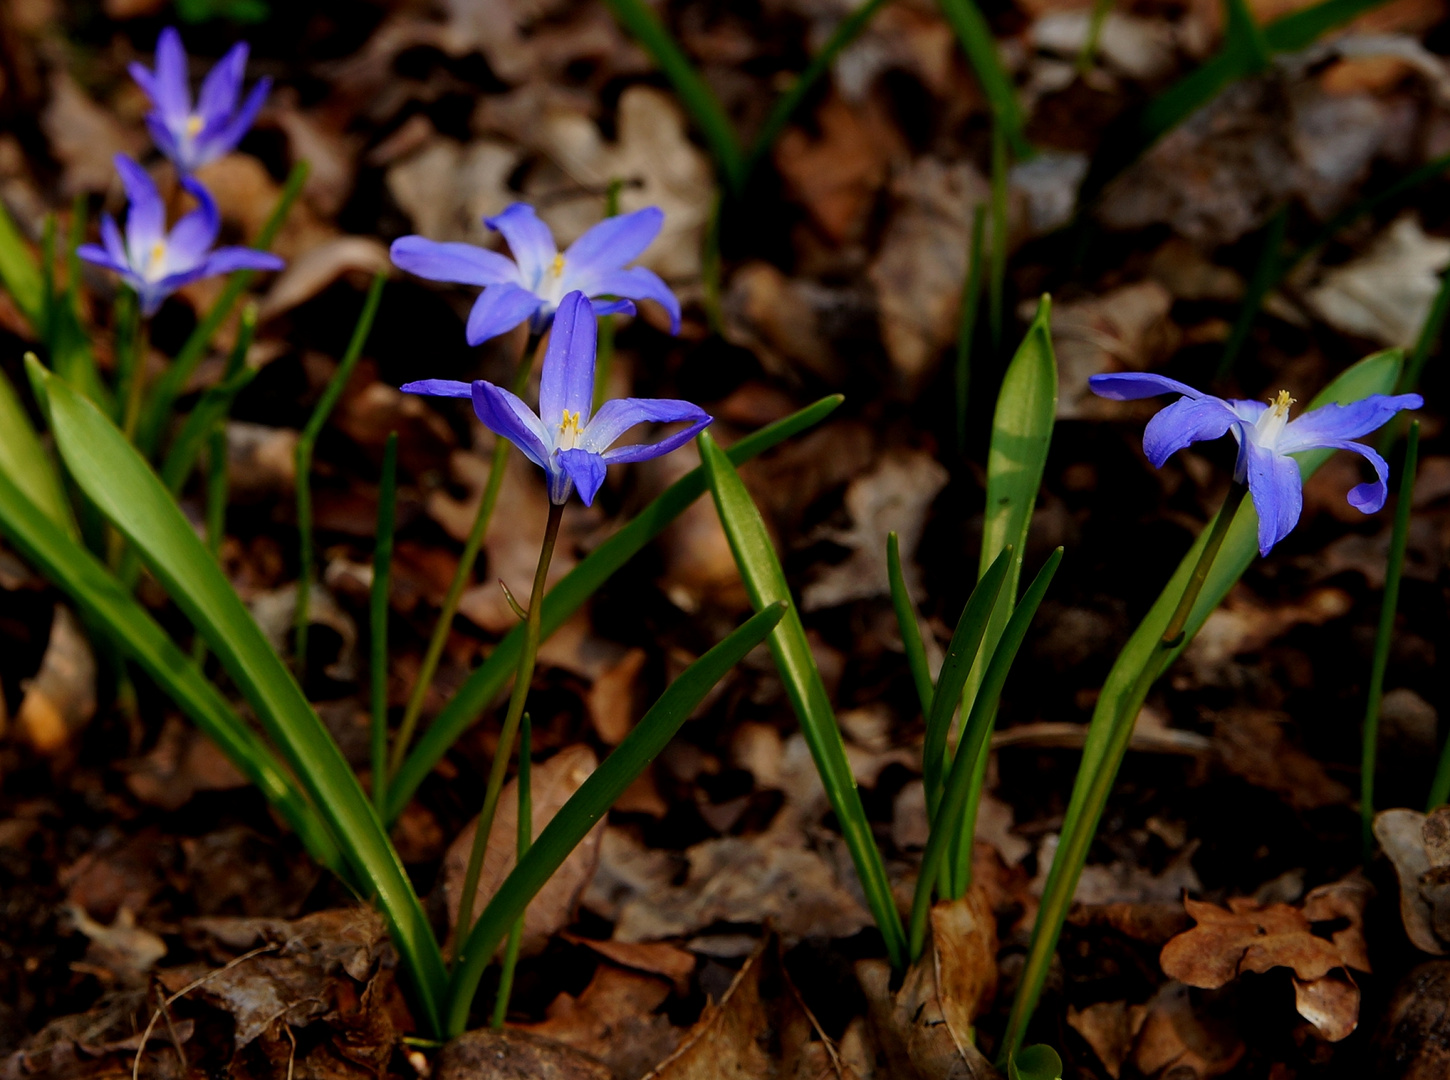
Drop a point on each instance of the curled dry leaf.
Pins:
(553, 782)
(911, 1030)
(85, 138)
(1413, 1040)
(447, 188)
(964, 951)
(1174, 1041)
(61, 699)
(183, 762)
(123, 949)
(837, 175)
(1414, 843)
(1127, 327)
(1253, 744)
(1110, 1028)
(1249, 937)
(315, 269)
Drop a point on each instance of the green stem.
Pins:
(378, 618)
(171, 384)
(1393, 570)
(525, 838)
(134, 387)
(462, 578)
(306, 443)
(1073, 847)
(522, 678)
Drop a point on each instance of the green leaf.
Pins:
(766, 585)
(133, 498)
(971, 748)
(962, 654)
(1115, 712)
(907, 624)
(699, 100)
(20, 272)
(107, 606)
(1038, 1062)
(1244, 39)
(977, 42)
(23, 459)
(592, 801)
(491, 677)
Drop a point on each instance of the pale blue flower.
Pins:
(532, 284)
(1266, 437)
(562, 438)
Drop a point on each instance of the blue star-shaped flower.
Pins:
(532, 284)
(155, 262)
(192, 136)
(1266, 437)
(562, 438)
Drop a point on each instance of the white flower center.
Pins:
(1271, 424)
(569, 431)
(551, 282)
(154, 267)
(194, 124)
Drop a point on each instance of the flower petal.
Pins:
(499, 308)
(94, 253)
(507, 416)
(566, 383)
(614, 241)
(585, 469)
(225, 260)
(192, 237)
(143, 78)
(1187, 420)
(529, 239)
(637, 283)
(222, 85)
(1368, 498)
(222, 138)
(173, 89)
(146, 218)
(1277, 490)
(1131, 385)
(164, 139)
(439, 388)
(612, 307)
(1329, 425)
(463, 264)
(616, 417)
(111, 238)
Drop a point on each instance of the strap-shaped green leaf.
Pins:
(766, 585)
(106, 605)
(23, 459)
(492, 677)
(1037, 1062)
(1117, 710)
(977, 42)
(906, 622)
(20, 272)
(132, 497)
(592, 801)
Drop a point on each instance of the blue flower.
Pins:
(571, 447)
(189, 136)
(155, 262)
(532, 284)
(1266, 437)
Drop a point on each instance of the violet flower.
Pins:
(532, 284)
(192, 136)
(571, 447)
(155, 262)
(1266, 437)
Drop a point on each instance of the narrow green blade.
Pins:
(976, 39)
(24, 460)
(132, 497)
(907, 624)
(766, 585)
(592, 801)
(491, 677)
(20, 272)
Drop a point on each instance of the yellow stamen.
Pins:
(570, 423)
(158, 252)
(558, 268)
(1281, 404)
(193, 126)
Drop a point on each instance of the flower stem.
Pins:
(1077, 835)
(461, 578)
(523, 675)
(524, 842)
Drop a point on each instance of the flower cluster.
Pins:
(151, 259)
(572, 444)
(1266, 438)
